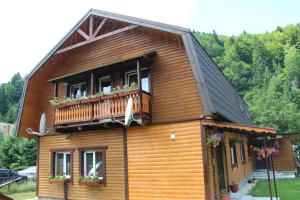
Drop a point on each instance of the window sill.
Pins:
(234, 165)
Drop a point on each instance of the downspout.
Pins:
(125, 162)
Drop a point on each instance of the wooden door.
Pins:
(221, 168)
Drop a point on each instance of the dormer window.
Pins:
(78, 90)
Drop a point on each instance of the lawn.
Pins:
(23, 196)
(20, 191)
(287, 189)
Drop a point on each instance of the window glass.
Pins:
(131, 77)
(68, 164)
(59, 164)
(63, 164)
(243, 152)
(233, 153)
(78, 90)
(105, 85)
(98, 166)
(93, 162)
(89, 164)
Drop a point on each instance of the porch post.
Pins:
(267, 164)
(139, 82)
(92, 84)
(274, 178)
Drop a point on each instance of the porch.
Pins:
(232, 156)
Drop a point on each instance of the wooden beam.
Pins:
(99, 27)
(83, 34)
(91, 26)
(96, 38)
(92, 84)
(139, 80)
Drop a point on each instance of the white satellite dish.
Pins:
(128, 115)
(42, 128)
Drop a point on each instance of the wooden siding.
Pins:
(175, 96)
(115, 184)
(235, 174)
(242, 170)
(285, 162)
(160, 168)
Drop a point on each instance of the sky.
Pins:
(30, 29)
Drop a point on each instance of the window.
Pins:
(93, 162)
(243, 159)
(131, 77)
(249, 151)
(232, 146)
(78, 90)
(105, 84)
(61, 165)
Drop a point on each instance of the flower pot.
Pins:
(58, 181)
(234, 188)
(224, 196)
(90, 184)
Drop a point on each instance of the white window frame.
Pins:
(85, 172)
(64, 164)
(232, 155)
(79, 85)
(105, 78)
(133, 72)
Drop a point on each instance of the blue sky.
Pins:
(29, 29)
(234, 16)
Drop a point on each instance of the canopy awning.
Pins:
(240, 127)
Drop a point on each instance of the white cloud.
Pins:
(29, 29)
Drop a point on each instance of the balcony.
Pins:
(99, 110)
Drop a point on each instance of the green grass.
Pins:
(23, 196)
(21, 187)
(287, 189)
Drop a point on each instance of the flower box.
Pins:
(59, 181)
(90, 183)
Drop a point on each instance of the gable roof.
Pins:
(217, 94)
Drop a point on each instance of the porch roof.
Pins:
(240, 127)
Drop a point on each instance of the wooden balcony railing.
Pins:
(102, 108)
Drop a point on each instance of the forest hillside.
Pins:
(265, 70)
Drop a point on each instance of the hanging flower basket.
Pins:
(265, 152)
(215, 139)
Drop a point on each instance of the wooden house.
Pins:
(180, 97)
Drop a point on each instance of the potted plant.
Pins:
(234, 187)
(58, 180)
(215, 139)
(92, 181)
(224, 195)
